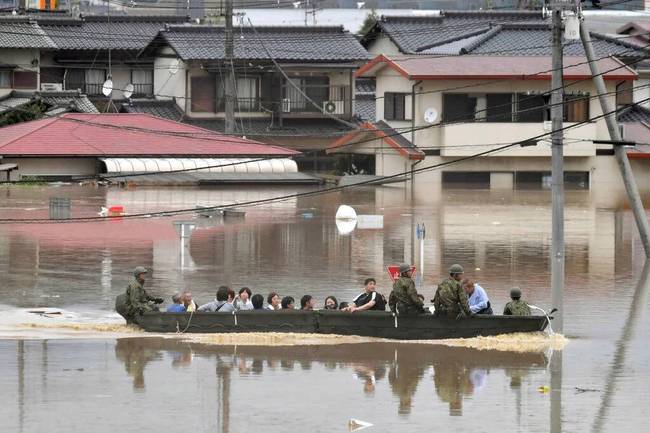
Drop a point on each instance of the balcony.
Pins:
(334, 100)
(243, 105)
(90, 89)
(142, 89)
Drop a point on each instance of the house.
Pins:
(73, 145)
(319, 62)
(433, 110)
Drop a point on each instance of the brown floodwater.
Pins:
(80, 370)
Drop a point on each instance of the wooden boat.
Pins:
(365, 323)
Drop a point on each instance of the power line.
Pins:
(310, 193)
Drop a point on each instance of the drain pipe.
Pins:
(417, 83)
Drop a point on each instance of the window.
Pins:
(498, 107)
(247, 94)
(576, 108)
(397, 106)
(203, 94)
(466, 179)
(142, 80)
(531, 108)
(5, 79)
(25, 80)
(52, 75)
(94, 80)
(316, 88)
(458, 107)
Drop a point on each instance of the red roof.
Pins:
(393, 138)
(127, 135)
(493, 67)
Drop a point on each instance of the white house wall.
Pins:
(383, 45)
(23, 58)
(51, 167)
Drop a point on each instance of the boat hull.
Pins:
(367, 324)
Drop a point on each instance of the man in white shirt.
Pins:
(478, 299)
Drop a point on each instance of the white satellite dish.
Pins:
(173, 66)
(128, 90)
(107, 87)
(430, 115)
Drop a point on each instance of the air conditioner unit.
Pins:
(51, 87)
(286, 105)
(333, 107)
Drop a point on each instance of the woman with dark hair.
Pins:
(331, 303)
(287, 303)
(243, 299)
(274, 301)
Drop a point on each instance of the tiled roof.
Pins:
(380, 130)
(283, 43)
(493, 67)
(365, 107)
(163, 109)
(93, 135)
(414, 34)
(63, 101)
(23, 35)
(634, 113)
(365, 86)
(100, 32)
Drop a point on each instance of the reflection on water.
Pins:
(427, 383)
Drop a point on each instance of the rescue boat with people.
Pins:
(380, 324)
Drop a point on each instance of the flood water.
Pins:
(62, 382)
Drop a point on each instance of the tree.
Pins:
(31, 111)
(369, 22)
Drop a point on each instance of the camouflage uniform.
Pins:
(517, 307)
(450, 299)
(404, 297)
(137, 300)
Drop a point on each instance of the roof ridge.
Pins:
(46, 122)
(619, 41)
(467, 49)
(220, 28)
(488, 13)
(452, 39)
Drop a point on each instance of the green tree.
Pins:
(369, 22)
(31, 111)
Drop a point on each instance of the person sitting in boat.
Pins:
(307, 303)
(450, 299)
(478, 299)
(243, 300)
(273, 301)
(177, 306)
(138, 301)
(188, 301)
(331, 303)
(404, 298)
(220, 304)
(517, 306)
(287, 303)
(343, 305)
(369, 299)
(258, 302)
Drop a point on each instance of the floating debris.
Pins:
(357, 424)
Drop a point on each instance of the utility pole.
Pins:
(557, 170)
(619, 151)
(229, 85)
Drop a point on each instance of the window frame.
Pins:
(392, 104)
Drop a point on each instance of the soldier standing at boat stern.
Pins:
(450, 299)
(137, 299)
(404, 298)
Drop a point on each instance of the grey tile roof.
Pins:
(536, 41)
(163, 109)
(414, 34)
(404, 143)
(99, 32)
(283, 43)
(56, 101)
(634, 113)
(364, 108)
(365, 86)
(23, 35)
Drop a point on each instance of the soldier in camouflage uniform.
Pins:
(450, 299)
(404, 298)
(516, 307)
(137, 300)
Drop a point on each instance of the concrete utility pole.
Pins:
(619, 151)
(557, 171)
(229, 85)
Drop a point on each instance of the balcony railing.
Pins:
(90, 89)
(242, 105)
(142, 89)
(334, 100)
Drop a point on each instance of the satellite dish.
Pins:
(431, 115)
(107, 87)
(128, 90)
(173, 66)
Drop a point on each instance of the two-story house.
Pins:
(274, 68)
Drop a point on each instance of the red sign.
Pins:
(393, 271)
